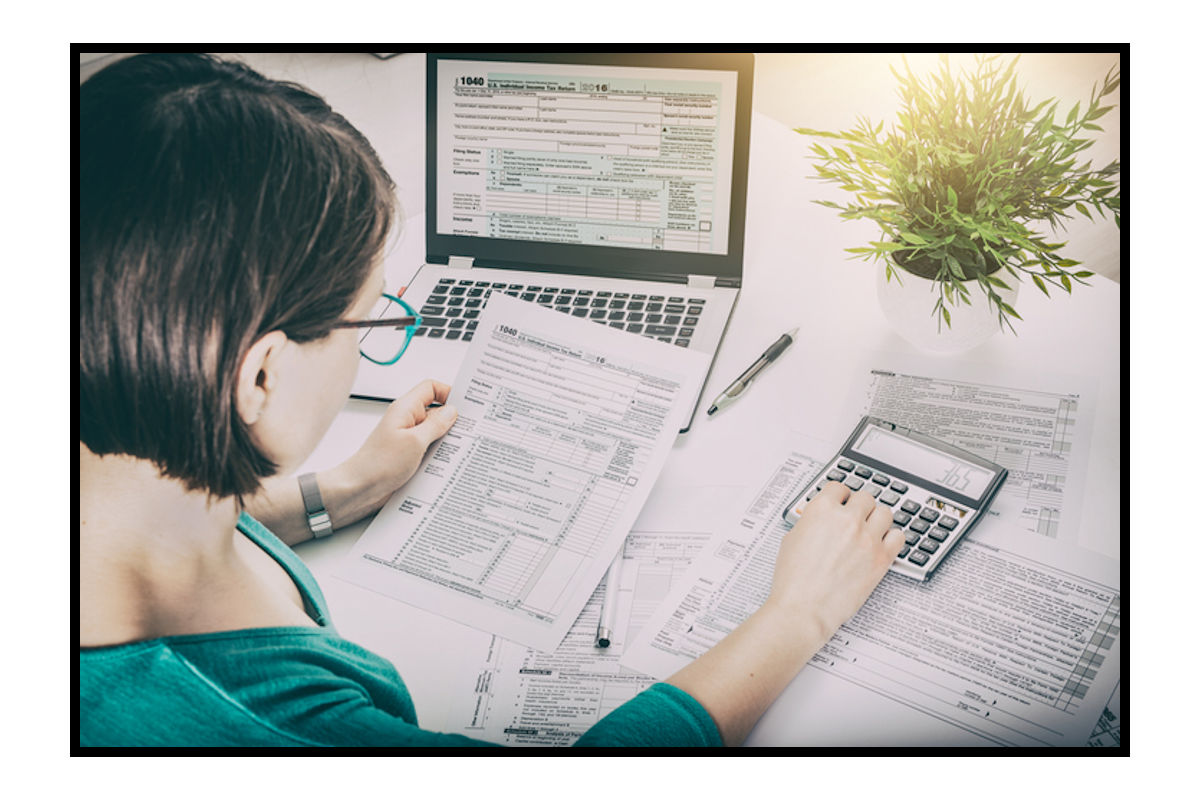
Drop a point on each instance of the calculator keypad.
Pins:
(928, 522)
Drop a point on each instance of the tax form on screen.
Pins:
(605, 155)
(515, 515)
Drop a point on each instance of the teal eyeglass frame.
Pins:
(409, 323)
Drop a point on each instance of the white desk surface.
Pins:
(796, 273)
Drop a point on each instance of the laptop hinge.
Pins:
(465, 262)
(702, 281)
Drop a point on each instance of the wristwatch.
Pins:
(318, 518)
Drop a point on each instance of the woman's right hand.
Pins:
(833, 557)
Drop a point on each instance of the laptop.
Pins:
(605, 186)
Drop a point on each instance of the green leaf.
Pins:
(912, 237)
(1038, 282)
(1082, 209)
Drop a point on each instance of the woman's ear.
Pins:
(258, 376)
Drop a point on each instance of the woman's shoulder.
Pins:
(210, 689)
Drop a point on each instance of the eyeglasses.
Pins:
(387, 333)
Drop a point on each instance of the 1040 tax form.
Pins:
(514, 516)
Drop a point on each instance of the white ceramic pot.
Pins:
(908, 305)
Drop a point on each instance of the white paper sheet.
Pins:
(516, 513)
(523, 697)
(1014, 640)
(1036, 425)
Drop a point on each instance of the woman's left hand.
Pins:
(393, 451)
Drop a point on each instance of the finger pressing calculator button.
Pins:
(948, 522)
(899, 488)
(863, 472)
(874, 490)
(908, 505)
(853, 482)
(889, 497)
(929, 514)
(917, 557)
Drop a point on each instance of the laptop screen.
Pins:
(583, 154)
(567, 154)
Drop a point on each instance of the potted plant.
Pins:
(961, 177)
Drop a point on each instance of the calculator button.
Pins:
(912, 538)
(882, 480)
(929, 514)
(874, 490)
(863, 472)
(917, 557)
(899, 488)
(845, 466)
(901, 519)
(929, 546)
(908, 505)
(948, 522)
(918, 525)
(836, 475)
(939, 535)
(852, 482)
(903, 552)
(889, 497)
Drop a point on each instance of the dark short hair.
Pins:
(215, 205)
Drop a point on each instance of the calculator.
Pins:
(936, 492)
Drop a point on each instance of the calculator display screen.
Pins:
(923, 461)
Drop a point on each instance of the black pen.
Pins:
(737, 387)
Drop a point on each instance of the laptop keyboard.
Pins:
(452, 309)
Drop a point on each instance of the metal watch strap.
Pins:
(318, 518)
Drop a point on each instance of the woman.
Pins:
(231, 230)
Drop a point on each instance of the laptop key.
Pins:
(673, 308)
(683, 342)
(580, 312)
(635, 327)
(432, 322)
(660, 330)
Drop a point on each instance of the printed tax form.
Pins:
(515, 515)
